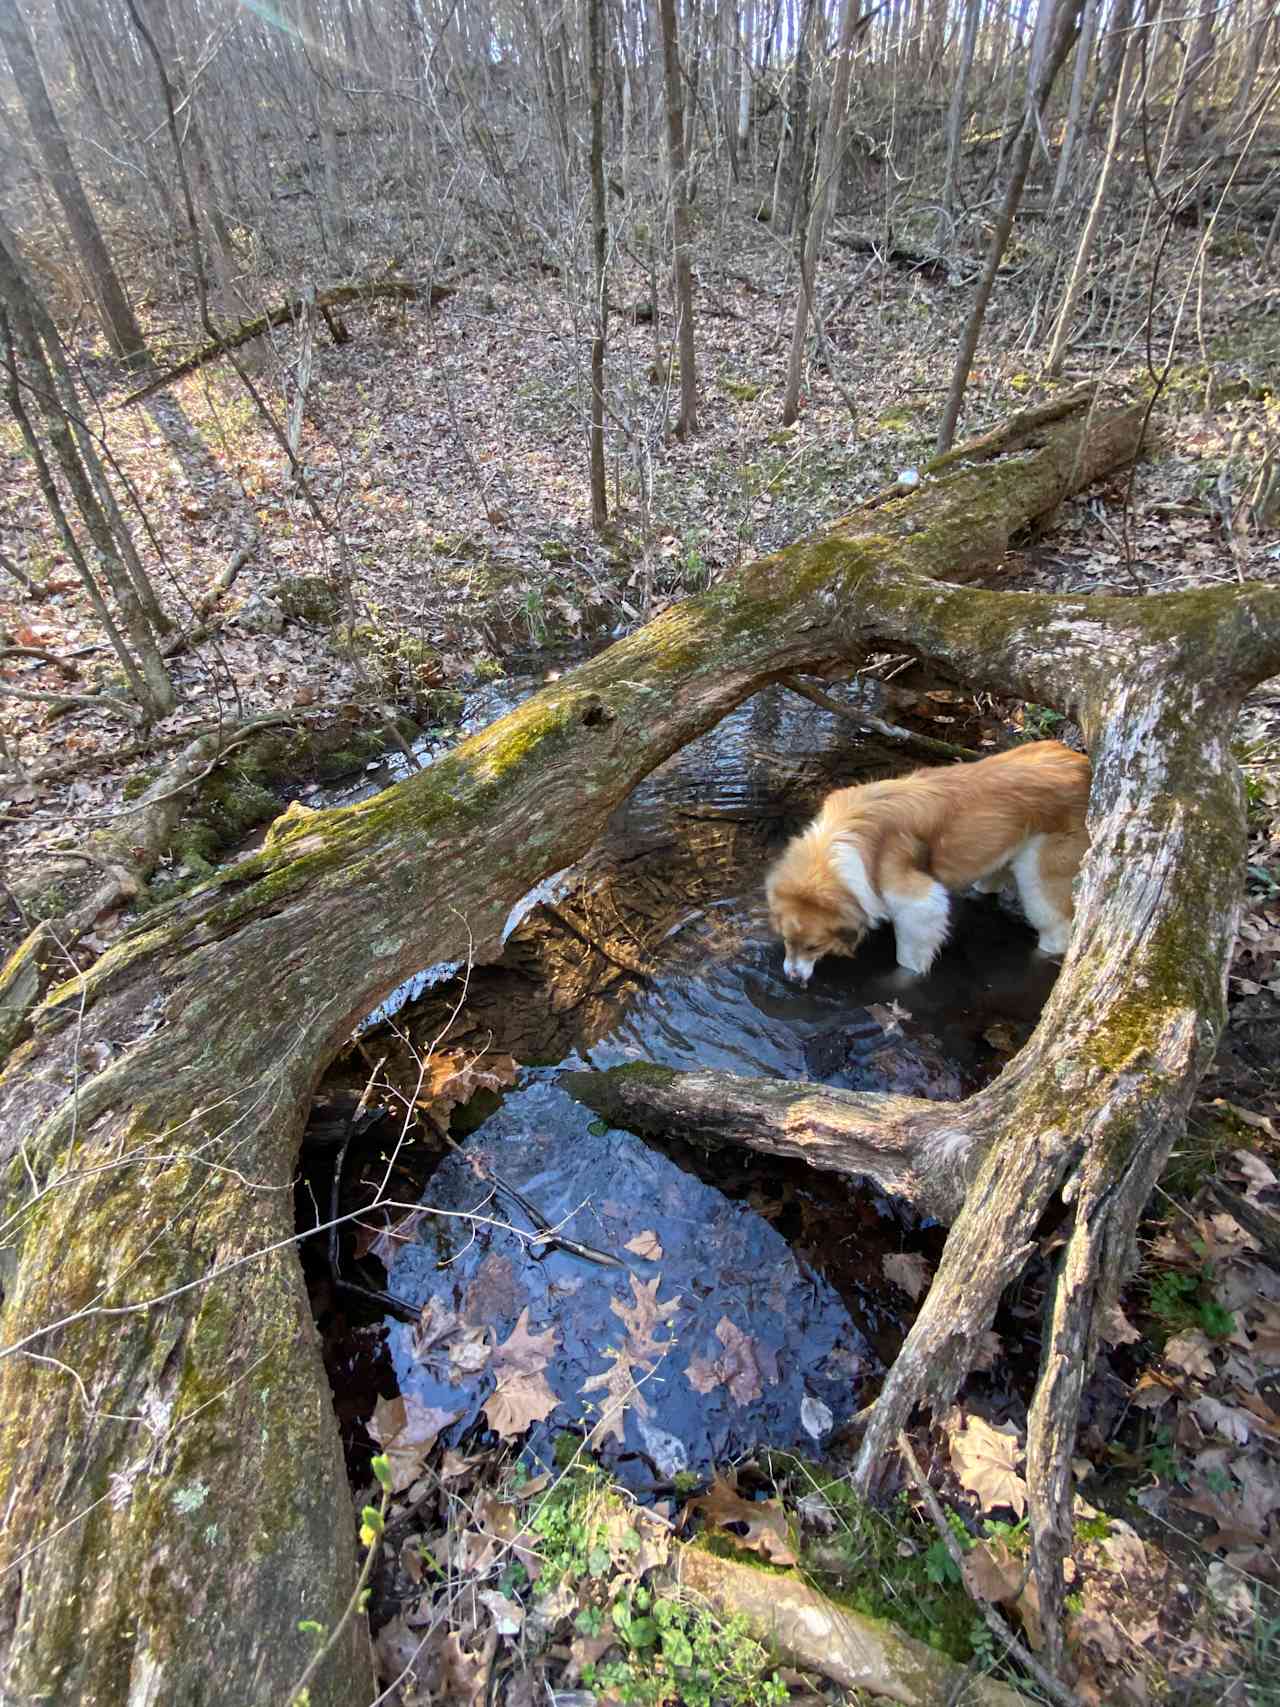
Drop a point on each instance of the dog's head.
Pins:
(811, 909)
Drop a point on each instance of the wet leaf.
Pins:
(645, 1245)
(448, 1081)
(815, 1417)
(759, 1525)
(909, 1271)
(522, 1395)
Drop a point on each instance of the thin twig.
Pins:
(993, 1619)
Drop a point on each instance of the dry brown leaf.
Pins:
(406, 1430)
(985, 1461)
(469, 1353)
(701, 1374)
(1153, 1389)
(764, 1521)
(522, 1395)
(450, 1080)
(645, 1245)
(1190, 1352)
(909, 1271)
(1259, 1122)
(508, 1615)
(1116, 1328)
(517, 1402)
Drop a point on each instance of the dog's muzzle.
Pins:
(798, 968)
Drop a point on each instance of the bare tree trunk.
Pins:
(956, 111)
(1079, 267)
(1198, 60)
(113, 305)
(1059, 43)
(795, 142)
(599, 248)
(829, 156)
(1079, 76)
(680, 222)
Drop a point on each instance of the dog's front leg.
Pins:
(921, 919)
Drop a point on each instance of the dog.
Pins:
(898, 850)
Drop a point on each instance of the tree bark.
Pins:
(113, 305)
(816, 223)
(599, 255)
(681, 235)
(1059, 42)
(1076, 277)
(183, 1503)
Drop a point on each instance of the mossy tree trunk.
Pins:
(173, 1491)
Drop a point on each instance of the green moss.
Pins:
(745, 390)
(137, 785)
(309, 598)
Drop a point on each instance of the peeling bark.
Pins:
(183, 1503)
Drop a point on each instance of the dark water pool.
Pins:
(739, 1301)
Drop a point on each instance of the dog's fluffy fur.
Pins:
(897, 850)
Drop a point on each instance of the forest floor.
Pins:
(448, 539)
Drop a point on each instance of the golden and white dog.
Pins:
(897, 850)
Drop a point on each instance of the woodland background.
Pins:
(355, 354)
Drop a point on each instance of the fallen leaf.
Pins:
(739, 1366)
(643, 1317)
(1259, 1122)
(522, 1395)
(508, 1615)
(448, 1081)
(909, 1271)
(469, 1353)
(815, 1417)
(1227, 1420)
(645, 1245)
(985, 1461)
(622, 1394)
(1190, 1352)
(1115, 1327)
(763, 1521)
(406, 1430)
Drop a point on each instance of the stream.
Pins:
(716, 1300)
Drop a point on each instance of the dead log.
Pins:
(324, 302)
(182, 1503)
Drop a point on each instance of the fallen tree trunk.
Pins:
(323, 302)
(183, 1503)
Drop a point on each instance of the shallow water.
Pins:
(657, 948)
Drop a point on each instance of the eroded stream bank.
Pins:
(692, 1304)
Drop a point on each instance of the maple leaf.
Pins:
(909, 1271)
(645, 1245)
(760, 1525)
(985, 1461)
(522, 1395)
(406, 1430)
